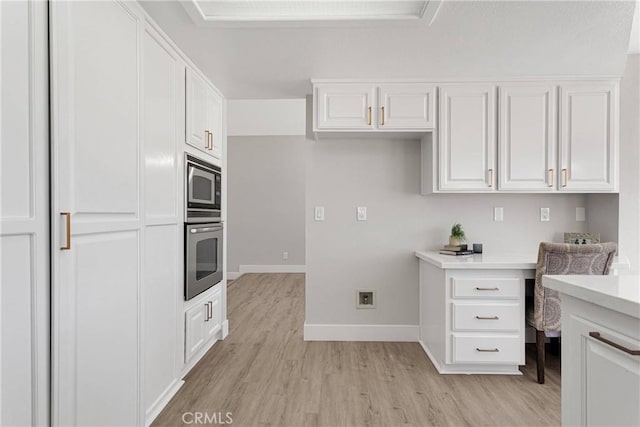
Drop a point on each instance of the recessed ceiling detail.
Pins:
(304, 10)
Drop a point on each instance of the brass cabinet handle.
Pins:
(487, 318)
(597, 336)
(210, 140)
(488, 350)
(208, 315)
(487, 289)
(564, 177)
(490, 177)
(67, 246)
(369, 116)
(551, 180)
(382, 122)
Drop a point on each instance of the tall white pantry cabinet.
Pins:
(116, 139)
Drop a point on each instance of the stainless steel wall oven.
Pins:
(203, 257)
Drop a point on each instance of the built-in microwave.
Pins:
(203, 191)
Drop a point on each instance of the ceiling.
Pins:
(466, 40)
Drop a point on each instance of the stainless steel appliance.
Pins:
(203, 191)
(203, 257)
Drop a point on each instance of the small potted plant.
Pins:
(457, 235)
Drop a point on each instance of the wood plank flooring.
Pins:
(264, 374)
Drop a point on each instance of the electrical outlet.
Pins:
(318, 214)
(365, 299)
(498, 214)
(545, 215)
(581, 214)
(285, 255)
(361, 213)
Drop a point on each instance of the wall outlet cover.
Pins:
(545, 214)
(318, 213)
(365, 298)
(361, 213)
(498, 214)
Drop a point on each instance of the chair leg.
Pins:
(540, 339)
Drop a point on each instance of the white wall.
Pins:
(630, 162)
(602, 216)
(344, 255)
(265, 176)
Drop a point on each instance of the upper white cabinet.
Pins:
(374, 107)
(204, 115)
(588, 136)
(527, 137)
(467, 137)
(345, 106)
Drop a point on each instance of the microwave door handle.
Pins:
(205, 229)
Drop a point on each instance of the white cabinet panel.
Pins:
(160, 126)
(161, 290)
(214, 322)
(345, 106)
(16, 329)
(527, 137)
(486, 349)
(97, 342)
(588, 136)
(213, 108)
(103, 152)
(196, 119)
(467, 138)
(406, 106)
(195, 330)
(485, 317)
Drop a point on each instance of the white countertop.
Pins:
(618, 293)
(494, 261)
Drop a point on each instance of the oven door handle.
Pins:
(205, 229)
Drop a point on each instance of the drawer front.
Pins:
(486, 349)
(487, 288)
(486, 317)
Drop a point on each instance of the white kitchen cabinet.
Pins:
(352, 106)
(527, 143)
(24, 214)
(203, 322)
(96, 181)
(406, 106)
(589, 127)
(467, 137)
(204, 115)
(345, 106)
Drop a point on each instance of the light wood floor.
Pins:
(265, 374)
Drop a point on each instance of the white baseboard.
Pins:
(272, 268)
(391, 333)
(233, 275)
(162, 401)
(225, 329)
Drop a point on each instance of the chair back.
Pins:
(565, 258)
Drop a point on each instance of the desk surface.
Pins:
(492, 261)
(618, 293)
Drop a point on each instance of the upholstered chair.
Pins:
(561, 258)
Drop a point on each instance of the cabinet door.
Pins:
(588, 137)
(609, 383)
(345, 106)
(527, 137)
(406, 106)
(214, 119)
(96, 182)
(195, 330)
(467, 138)
(214, 321)
(196, 118)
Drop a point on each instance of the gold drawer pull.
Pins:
(487, 350)
(551, 182)
(487, 289)
(67, 245)
(382, 123)
(597, 336)
(487, 318)
(369, 116)
(564, 177)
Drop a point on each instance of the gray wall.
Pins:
(344, 255)
(266, 200)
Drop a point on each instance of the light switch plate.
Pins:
(319, 213)
(581, 214)
(361, 213)
(545, 215)
(498, 214)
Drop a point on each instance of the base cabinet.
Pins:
(600, 383)
(203, 322)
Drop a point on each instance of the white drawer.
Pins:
(505, 288)
(486, 317)
(485, 349)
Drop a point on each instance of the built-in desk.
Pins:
(472, 311)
